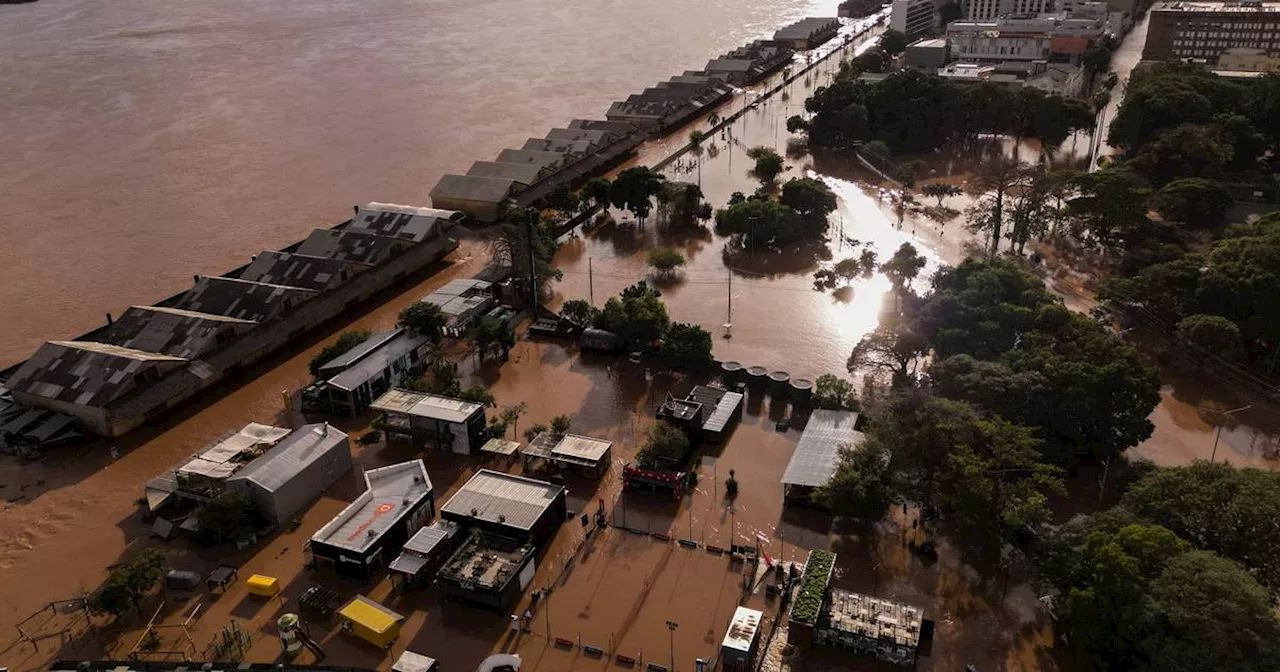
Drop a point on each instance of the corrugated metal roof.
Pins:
(300, 270)
(818, 452)
(361, 246)
(521, 172)
(428, 538)
(473, 188)
(407, 563)
(355, 354)
(85, 373)
(423, 405)
(245, 299)
(378, 360)
(537, 158)
(514, 501)
(403, 222)
(292, 455)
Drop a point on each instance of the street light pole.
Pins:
(1218, 433)
(672, 625)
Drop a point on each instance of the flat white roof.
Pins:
(578, 447)
(392, 491)
(742, 629)
(423, 405)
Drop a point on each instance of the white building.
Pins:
(985, 10)
(1046, 38)
(913, 18)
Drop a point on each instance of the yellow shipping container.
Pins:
(265, 586)
(370, 621)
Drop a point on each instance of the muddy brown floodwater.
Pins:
(64, 522)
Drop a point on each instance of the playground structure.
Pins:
(151, 645)
(63, 619)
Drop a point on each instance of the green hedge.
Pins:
(813, 586)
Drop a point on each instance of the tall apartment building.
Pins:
(912, 18)
(1207, 30)
(986, 10)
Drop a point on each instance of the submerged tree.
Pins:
(633, 190)
(768, 164)
(424, 319)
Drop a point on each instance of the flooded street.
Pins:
(210, 142)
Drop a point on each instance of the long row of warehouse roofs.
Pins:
(116, 377)
(568, 156)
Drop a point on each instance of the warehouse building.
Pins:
(444, 422)
(203, 476)
(505, 505)
(286, 479)
(350, 382)
(370, 532)
(507, 518)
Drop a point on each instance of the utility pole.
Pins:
(729, 315)
(1218, 434)
(533, 272)
(591, 287)
(672, 625)
(546, 608)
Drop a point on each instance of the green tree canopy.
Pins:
(638, 316)
(665, 444)
(511, 248)
(1208, 614)
(686, 346)
(633, 190)
(424, 319)
(763, 224)
(893, 42)
(229, 518)
(1219, 508)
(833, 392)
(682, 205)
(1001, 341)
(560, 425)
(1194, 201)
(811, 198)
(579, 312)
(860, 487)
(768, 164)
(902, 268)
(598, 190)
(665, 260)
(128, 583)
(1211, 334)
(346, 341)
(478, 395)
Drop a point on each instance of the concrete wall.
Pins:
(92, 418)
(171, 390)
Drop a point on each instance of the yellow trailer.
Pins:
(370, 621)
(264, 586)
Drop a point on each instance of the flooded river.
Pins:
(144, 145)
